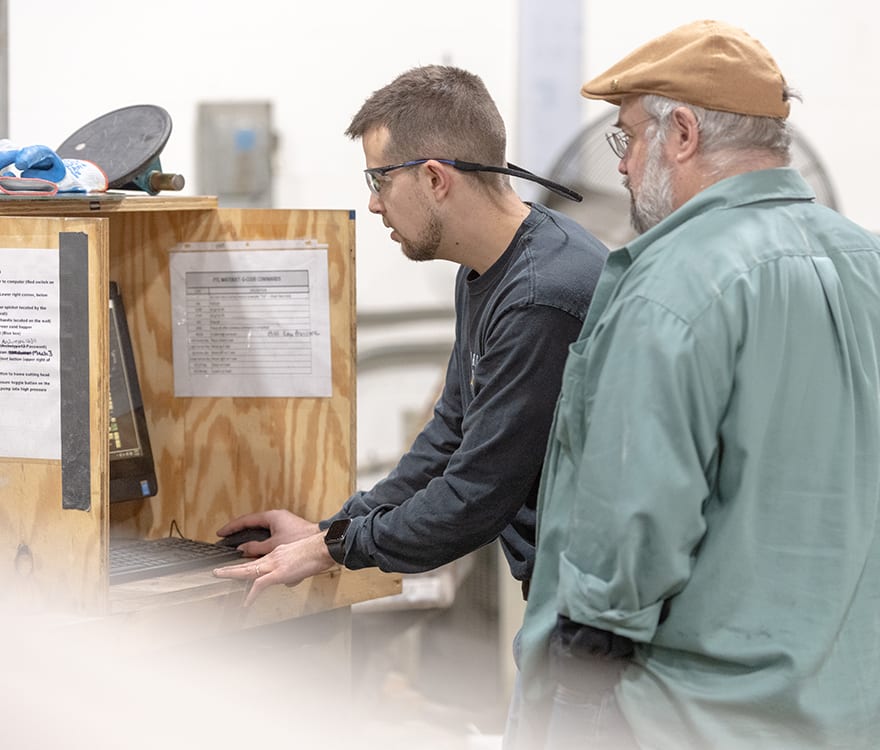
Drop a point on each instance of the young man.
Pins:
(710, 505)
(434, 144)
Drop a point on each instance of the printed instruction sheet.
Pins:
(30, 375)
(251, 319)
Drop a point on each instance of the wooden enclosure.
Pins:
(216, 457)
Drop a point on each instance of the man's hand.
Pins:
(284, 527)
(288, 563)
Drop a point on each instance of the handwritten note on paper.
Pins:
(251, 322)
(30, 382)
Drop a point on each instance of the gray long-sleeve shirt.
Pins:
(472, 474)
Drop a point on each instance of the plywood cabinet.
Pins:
(216, 457)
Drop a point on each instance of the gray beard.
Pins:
(654, 200)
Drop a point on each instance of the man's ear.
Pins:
(439, 178)
(684, 134)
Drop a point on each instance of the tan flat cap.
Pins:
(706, 63)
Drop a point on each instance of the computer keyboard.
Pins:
(134, 559)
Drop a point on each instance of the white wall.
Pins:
(70, 62)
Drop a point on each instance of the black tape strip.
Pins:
(76, 464)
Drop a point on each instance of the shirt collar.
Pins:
(783, 183)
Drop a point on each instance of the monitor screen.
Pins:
(132, 473)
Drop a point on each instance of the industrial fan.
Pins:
(589, 166)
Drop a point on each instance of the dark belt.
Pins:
(525, 588)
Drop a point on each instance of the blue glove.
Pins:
(41, 163)
(11, 183)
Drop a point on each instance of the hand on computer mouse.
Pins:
(252, 534)
(276, 526)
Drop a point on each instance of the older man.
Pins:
(709, 512)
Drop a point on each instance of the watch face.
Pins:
(336, 530)
(335, 538)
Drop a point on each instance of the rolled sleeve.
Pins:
(587, 599)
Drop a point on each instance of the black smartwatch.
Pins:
(335, 538)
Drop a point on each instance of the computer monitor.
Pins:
(132, 472)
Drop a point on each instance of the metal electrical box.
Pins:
(235, 145)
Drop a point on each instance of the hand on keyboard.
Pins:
(289, 564)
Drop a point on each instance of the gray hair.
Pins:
(725, 135)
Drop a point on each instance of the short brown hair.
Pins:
(435, 111)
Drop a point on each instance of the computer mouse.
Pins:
(250, 534)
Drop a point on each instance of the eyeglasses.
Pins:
(376, 176)
(619, 140)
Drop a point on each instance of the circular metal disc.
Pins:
(122, 142)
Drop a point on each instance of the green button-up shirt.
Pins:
(716, 446)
